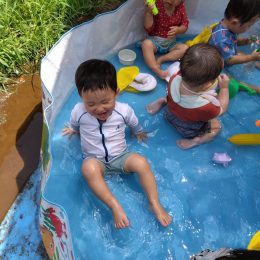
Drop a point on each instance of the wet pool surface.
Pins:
(212, 206)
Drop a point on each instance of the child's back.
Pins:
(192, 108)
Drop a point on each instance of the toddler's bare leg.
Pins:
(189, 143)
(155, 106)
(149, 57)
(174, 54)
(138, 164)
(93, 174)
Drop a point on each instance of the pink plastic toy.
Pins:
(221, 158)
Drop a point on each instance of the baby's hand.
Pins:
(68, 131)
(149, 7)
(141, 136)
(174, 30)
(255, 55)
(223, 81)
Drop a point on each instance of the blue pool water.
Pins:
(212, 206)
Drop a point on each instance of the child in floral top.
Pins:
(162, 30)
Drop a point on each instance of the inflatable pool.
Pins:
(212, 206)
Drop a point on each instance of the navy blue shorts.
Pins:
(187, 129)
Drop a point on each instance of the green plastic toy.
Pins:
(152, 3)
(258, 50)
(234, 86)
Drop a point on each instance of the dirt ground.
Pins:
(20, 137)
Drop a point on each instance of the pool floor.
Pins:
(212, 206)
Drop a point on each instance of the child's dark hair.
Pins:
(200, 64)
(244, 10)
(95, 74)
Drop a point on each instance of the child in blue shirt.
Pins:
(239, 16)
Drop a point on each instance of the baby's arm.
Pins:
(73, 126)
(175, 30)
(67, 130)
(244, 58)
(243, 41)
(229, 52)
(248, 40)
(148, 16)
(141, 136)
(133, 123)
(223, 96)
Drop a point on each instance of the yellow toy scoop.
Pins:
(125, 76)
(254, 244)
(129, 79)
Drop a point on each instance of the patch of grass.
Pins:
(28, 28)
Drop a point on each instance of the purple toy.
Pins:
(221, 158)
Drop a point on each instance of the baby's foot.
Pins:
(188, 143)
(155, 106)
(161, 73)
(120, 218)
(257, 89)
(163, 217)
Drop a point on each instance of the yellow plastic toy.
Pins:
(254, 244)
(129, 79)
(152, 3)
(202, 37)
(245, 139)
(125, 76)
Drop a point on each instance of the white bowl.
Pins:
(127, 57)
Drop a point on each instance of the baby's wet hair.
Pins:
(243, 10)
(95, 74)
(200, 64)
